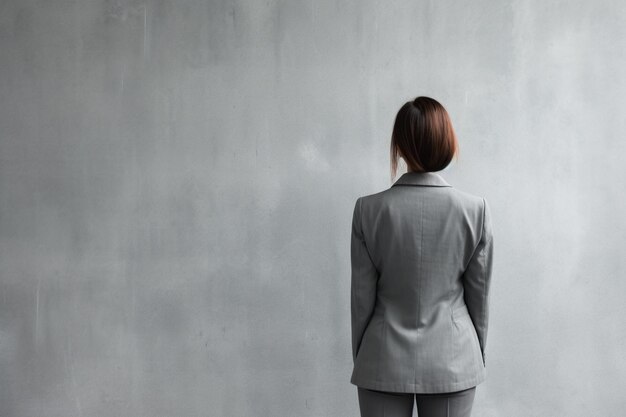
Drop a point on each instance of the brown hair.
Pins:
(423, 136)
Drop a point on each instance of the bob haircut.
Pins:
(423, 136)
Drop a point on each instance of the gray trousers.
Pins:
(393, 404)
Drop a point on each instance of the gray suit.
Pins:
(421, 256)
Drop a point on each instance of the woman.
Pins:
(421, 256)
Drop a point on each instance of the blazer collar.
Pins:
(428, 179)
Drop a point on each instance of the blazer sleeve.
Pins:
(364, 277)
(477, 279)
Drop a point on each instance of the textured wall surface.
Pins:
(177, 181)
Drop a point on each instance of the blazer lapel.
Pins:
(426, 179)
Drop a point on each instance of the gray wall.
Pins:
(177, 181)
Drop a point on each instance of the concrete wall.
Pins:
(177, 181)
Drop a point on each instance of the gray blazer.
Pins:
(421, 261)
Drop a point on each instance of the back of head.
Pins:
(423, 136)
